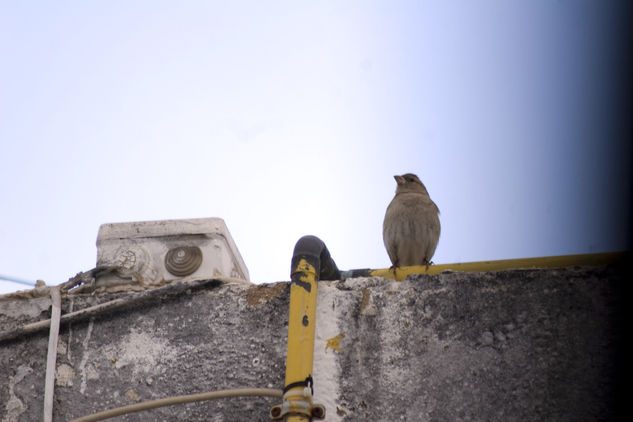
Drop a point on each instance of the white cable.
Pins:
(49, 385)
(170, 401)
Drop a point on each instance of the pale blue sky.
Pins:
(290, 118)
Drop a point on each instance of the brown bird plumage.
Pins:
(411, 228)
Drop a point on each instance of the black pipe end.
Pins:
(314, 251)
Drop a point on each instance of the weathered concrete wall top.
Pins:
(521, 345)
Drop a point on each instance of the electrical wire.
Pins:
(170, 401)
(49, 381)
(17, 280)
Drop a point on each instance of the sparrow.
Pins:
(411, 228)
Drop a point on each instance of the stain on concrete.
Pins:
(14, 406)
(65, 375)
(261, 294)
(334, 343)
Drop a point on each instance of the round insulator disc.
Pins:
(183, 260)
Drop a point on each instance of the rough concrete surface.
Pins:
(520, 345)
(503, 346)
(203, 340)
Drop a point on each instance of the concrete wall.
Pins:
(521, 345)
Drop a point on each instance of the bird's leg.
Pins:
(394, 266)
(427, 263)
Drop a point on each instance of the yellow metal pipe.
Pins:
(301, 329)
(541, 262)
(311, 262)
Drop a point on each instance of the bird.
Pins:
(411, 228)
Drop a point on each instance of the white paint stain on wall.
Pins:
(14, 405)
(142, 350)
(325, 367)
(85, 356)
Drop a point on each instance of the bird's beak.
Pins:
(399, 180)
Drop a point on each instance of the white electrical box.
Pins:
(151, 253)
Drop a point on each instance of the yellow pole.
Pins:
(301, 328)
(595, 259)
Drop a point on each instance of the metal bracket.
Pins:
(312, 411)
